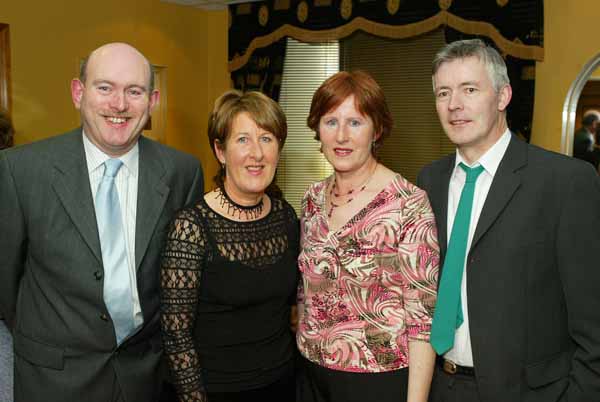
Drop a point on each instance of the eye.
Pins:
(242, 139)
(470, 90)
(355, 123)
(330, 122)
(442, 94)
(267, 138)
(103, 88)
(135, 92)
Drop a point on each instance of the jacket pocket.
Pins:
(549, 370)
(38, 353)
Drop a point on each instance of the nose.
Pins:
(341, 134)
(257, 151)
(455, 102)
(118, 101)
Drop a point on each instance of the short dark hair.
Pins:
(265, 112)
(83, 73)
(368, 97)
(6, 130)
(589, 119)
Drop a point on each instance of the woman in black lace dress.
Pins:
(229, 270)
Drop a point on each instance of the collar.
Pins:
(491, 159)
(95, 157)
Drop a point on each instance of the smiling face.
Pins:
(250, 156)
(472, 113)
(346, 137)
(115, 100)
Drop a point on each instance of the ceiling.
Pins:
(207, 4)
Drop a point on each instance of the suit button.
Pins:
(103, 317)
(98, 275)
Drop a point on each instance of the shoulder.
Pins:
(280, 204)
(57, 144)
(438, 165)
(316, 188)
(553, 163)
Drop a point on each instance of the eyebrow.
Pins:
(103, 81)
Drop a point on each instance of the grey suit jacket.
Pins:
(532, 276)
(52, 273)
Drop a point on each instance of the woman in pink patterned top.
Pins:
(369, 259)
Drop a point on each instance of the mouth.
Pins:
(342, 151)
(255, 170)
(116, 120)
(459, 122)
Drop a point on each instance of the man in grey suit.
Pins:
(83, 217)
(517, 311)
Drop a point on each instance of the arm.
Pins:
(420, 297)
(578, 235)
(13, 243)
(421, 363)
(180, 280)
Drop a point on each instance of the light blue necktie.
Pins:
(448, 313)
(117, 286)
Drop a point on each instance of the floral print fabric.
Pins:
(369, 287)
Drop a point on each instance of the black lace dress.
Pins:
(226, 293)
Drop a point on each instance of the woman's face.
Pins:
(346, 137)
(250, 156)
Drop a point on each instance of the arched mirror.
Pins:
(585, 87)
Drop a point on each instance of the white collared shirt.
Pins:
(461, 353)
(126, 182)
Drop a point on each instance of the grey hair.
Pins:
(462, 49)
(83, 73)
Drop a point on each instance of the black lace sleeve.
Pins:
(180, 273)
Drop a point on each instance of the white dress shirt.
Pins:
(126, 182)
(461, 353)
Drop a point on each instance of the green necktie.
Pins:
(448, 312)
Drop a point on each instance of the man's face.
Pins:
(469, 108)
(115, 101)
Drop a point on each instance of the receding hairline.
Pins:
(84, 65)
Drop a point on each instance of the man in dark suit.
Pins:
(517, 312)
(83, 217)
(584, 139)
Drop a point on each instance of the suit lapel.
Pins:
(71, 182)
(152, 195)
(439, 199)
(506, 181)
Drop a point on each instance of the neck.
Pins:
(346, 181)
(246, 200)
(472, 152)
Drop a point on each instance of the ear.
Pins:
(504, 97)
(219, 151)
(77, 89)
(154, 99)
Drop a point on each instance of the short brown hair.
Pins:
(368, 97)
(265, 112)
(6, 130)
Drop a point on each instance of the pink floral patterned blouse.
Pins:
(370, 287)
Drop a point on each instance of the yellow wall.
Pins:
(570, 41)
(49, 38)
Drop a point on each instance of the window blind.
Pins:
(301, 163)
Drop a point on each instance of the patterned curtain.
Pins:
(258, 32)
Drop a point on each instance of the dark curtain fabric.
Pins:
(263, 71)
(515, 26)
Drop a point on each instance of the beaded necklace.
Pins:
(333, 194)
(250, 212)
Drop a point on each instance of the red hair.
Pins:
(369, 100)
